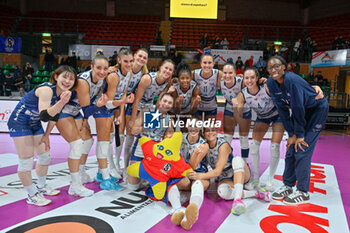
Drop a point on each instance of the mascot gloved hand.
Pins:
(161, 164)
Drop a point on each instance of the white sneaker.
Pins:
(252, 185)
(38, 199)
(115, 173)
(79, 190)
(47, 190)
(85, 178)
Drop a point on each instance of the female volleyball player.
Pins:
(43, 103)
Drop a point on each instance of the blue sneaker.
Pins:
(108, 184)
(99, 178)
(114, 179)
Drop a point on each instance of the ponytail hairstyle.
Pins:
(122, 52)
(183, 67)
(99, 55)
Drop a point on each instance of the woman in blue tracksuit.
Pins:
(290, 91)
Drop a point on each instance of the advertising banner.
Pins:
(329, 58)
(10, 44)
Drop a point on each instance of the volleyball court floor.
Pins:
(131, 211)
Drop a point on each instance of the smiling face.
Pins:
(275, 68)
(210, 134)
(166, 70)
(65, 81)
(207, 64)
(185, 80)
(228, 73)
(126, 62)
(141, 58)
(250, 79)
(166, 103)
(99, 69)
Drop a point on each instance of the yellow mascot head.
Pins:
(169, 148)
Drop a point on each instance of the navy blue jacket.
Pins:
(295, 94)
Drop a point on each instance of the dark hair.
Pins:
(229, 63)
(64, 69)
(207, 54)
(183, 67)
(253, 69)
(281, 59)
(97, 57)
(165, 94)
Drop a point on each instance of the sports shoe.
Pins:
(297, 198)
(47, 190)
(84, 177)
(270, 185)
(79, 190)
(178, 215)
(263, 195)
(115, 173)
(282, 192)
(238, 207)
(191, 216)
(252, 185)
(108, 184)
(99, 178)
(38, 199)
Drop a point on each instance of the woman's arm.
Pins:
(196, 99)
(44, 95)
(224, 152)
(145, 82)
(198, 155)
(238, 104)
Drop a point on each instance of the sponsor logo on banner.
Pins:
(66, 223)
(9, 43)
(4, 115)
(329, 58)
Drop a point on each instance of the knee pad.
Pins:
(225, 191)
(254, 147)
(87, 144)
(44, 159)
(102, 148)
(238, 164)
(244, 142)
(275, 149)
(111, 137)
(76, 148)
(25, 165)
